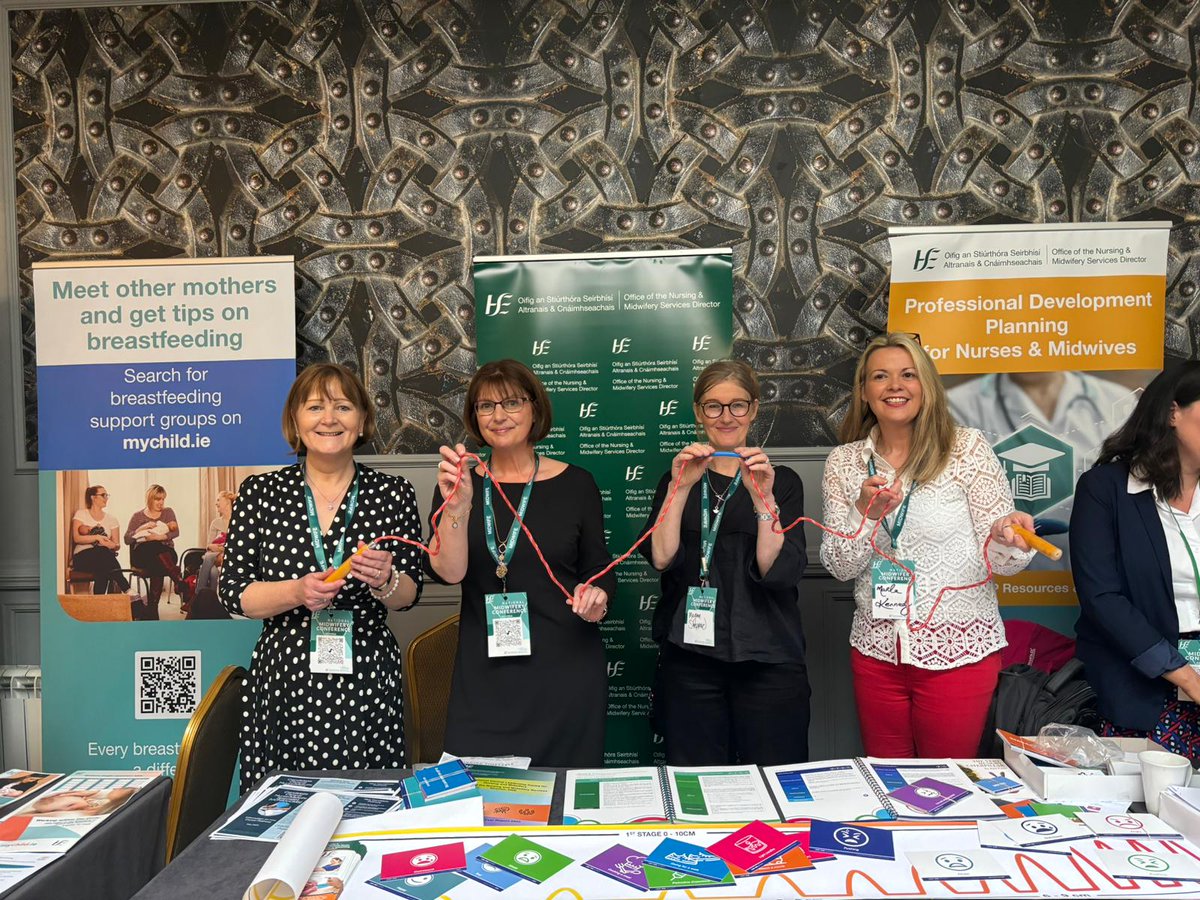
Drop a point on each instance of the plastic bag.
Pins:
(1082, 746)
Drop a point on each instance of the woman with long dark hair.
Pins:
(1135, 539)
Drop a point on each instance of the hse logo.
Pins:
(497, 305)
(616, 668)
(621, 345)
(667, 407)
(1040, 469)
(634, 473)
(541, 348)
(588, 410)
(925, 259)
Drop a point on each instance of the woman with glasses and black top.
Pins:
(529, 675)
(731, 684)
(96, 535)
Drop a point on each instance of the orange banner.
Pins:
(1035, 324)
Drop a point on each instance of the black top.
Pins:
(550, 705)
(758, 617)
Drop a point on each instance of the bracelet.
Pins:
(454, 520)
(393, 580)
(767, 516)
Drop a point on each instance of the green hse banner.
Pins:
(160, 384)
(618, 340)
(1045, 336)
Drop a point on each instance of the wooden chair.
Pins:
(207, 756)
(429, 662)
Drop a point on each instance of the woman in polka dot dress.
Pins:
(289, 529)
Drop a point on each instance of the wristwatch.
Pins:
(767, 516)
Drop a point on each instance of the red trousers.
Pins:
(906, 712)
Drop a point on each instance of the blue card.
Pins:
(691, 859)
(998, 785)
(419, 887)
(487, 873)
(843, 839)
(444, 779)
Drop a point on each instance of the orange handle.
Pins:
(344, 569)
(1041, 545)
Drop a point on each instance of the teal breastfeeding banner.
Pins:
(618, 340)
(160, 386)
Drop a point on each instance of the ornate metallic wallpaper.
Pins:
(385, 144)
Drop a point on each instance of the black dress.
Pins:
(293, 718)
(550, 705)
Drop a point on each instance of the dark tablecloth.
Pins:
(114, 861)
(222, 870)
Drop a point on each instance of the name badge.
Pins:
(1189, 649)
(331, 642)
(700, 617)
(890, 593)
(508, 624)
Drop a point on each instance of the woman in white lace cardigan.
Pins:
(924, 671)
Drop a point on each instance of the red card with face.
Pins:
(425, 861)
(753, 846)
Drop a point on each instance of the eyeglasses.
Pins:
(101, 494)
(712, 409)
(510, 405)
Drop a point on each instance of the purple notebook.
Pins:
(929, 796)
(622, 864)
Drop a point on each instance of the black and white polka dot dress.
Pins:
(291, 717)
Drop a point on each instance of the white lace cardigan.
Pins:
(948, 520)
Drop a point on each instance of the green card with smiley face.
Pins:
(523, 857)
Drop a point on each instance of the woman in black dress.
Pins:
(731, 683)
(537, 687)
(289, 530)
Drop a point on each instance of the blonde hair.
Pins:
(725, 370)
(933, 429)
(227, 495)
(155, 490)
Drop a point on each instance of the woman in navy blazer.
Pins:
(1134, 539)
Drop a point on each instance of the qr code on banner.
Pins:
(166, 684)
(508, 632)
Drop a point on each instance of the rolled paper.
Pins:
(290, 864)
(344, 569)
(1041, 545)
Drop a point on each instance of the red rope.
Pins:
(777, 526)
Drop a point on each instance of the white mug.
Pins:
(1161, 770)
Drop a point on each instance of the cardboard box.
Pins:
(1067, 785)
(1178, 813)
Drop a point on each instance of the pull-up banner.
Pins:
(1026, 298)
(1044, 334)
(618, 340)
(160, 387)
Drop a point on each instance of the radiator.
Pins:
(21, 717)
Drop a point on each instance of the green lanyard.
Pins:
(1188, 546)
(897, 525)
(708, 532)
(503, 553)
(314, 524)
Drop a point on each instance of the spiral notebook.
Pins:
(845, 790)
(702, 794)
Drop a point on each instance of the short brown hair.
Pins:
(518, 378)
(733, 370)
(319, 377)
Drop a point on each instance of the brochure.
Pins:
(56, 819)
(268, 817)
(15, 784)
(514, 797)
(332, 871)
(704, 794)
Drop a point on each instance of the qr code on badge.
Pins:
(508, 632)
(331, 649)
(166, 684)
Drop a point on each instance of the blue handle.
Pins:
(729, 453)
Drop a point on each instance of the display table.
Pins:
(222, 870)
(112, 862)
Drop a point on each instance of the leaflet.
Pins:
(835, 790)
(514, 796)
(267, 818)
(898, 773)
(613, 796)
(719, 794)
(16, 784)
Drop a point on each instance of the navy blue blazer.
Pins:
(1128, 631)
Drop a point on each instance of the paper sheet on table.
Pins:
(466, 812)
(511, 762)
(286, 871)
